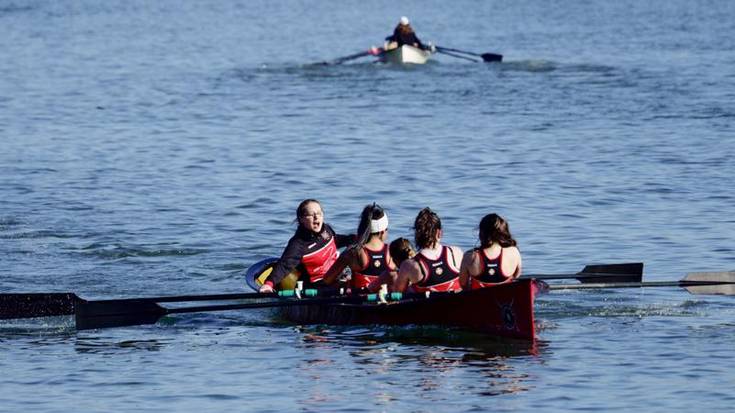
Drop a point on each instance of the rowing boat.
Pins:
(504, 310)
(406, 54)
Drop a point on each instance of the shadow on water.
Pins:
(529, 65)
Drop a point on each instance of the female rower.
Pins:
(401, 250)
(496, 261)
(370, 259)
(311, 250)
(435, 267)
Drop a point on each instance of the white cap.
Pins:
(404, 21)
(377, 225)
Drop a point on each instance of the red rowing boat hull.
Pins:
(504, 310)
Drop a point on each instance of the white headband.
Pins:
(378, 225)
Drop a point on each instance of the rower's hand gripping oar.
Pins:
(709, 283)
(486, 57)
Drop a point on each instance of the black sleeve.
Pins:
(416, 40)
(290, 258)
(343, 240)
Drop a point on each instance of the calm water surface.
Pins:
(161, 147)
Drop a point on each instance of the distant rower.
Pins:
(403, 34)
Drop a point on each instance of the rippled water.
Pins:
(161, 148)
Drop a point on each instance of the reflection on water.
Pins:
(101, 346)
(434, 357)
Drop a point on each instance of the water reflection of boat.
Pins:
(388, 350)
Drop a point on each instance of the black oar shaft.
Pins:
(122, 313)
(443, 49)
(457, 56)
(487, 57)
(682, 283)
(209, 297)
(624, 272)
(268, 304)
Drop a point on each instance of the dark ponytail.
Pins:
(369, 213)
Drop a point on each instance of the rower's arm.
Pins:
(464, 270)
(290, 258)
(336, 269)
(407, 274)
(344, 240)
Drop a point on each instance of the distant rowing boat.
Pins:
(406, 54)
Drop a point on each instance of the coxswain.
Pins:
(311, 251)
(496, 261)
(435, 267)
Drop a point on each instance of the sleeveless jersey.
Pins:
(438, 275)
(377, 264)
(492, 271)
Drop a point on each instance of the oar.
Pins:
(487, 57)
(456, 55)
(712, 283)
(628, 272)
(343, 59)
(132, 312)
(30, 305)
(20, 305)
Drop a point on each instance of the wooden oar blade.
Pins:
(628, 272)
(117, 313)
(492, 57)
(711, 283)
(19, 305)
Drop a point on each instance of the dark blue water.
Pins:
(151, 148)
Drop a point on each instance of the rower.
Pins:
(435, 267)
(311, 250)
(496, 261)
(403, 34)
(368, 260)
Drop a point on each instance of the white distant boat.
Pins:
(406, 54)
